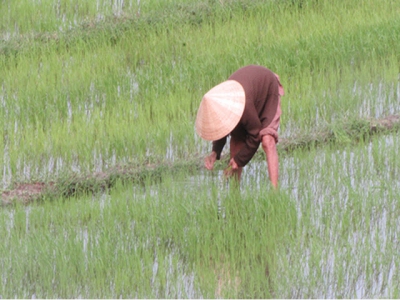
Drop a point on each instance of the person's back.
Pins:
(259, 93)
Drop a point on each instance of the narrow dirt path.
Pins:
(27, 192)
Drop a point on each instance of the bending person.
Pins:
(247, 107)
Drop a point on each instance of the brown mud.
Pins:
(33, 191)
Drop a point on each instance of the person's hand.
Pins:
(231, 169)
(210, 160)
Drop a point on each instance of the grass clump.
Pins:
(332, 225)
(86, 89)
(167, 242)
(123, 89)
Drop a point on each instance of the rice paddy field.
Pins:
(98, 102)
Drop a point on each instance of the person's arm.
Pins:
(269, 146)
(210, 160)
(218, 145)
(269, 138)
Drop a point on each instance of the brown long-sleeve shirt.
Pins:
(261, 113)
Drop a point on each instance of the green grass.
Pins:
(80, 247)
(119, 90)
(330, 232)
(89, 90)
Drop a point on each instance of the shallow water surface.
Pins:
(347, 204)
(345, 245)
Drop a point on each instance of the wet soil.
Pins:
(24, 192)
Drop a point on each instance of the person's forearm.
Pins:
(272, 161)
(218, 145)
(273, 167)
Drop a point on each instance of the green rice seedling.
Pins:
(86, 88)
(328, 233)
(135, 93)
(81, 248)
(343, 209)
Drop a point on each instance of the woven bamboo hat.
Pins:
(220, 110)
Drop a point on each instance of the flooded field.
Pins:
(347, 204)
(376, 100)
(341, 239)
(98, 101)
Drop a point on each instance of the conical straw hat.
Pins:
(220, 110)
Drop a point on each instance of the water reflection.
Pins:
(347, 197)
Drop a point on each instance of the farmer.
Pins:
(247, 107)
